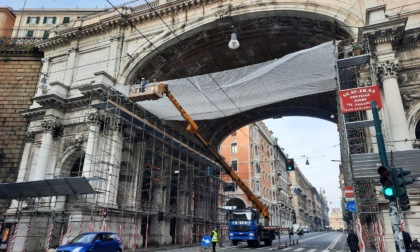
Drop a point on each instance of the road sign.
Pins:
(351, 206)
(348, 191)
(206, 241)
(358, 99)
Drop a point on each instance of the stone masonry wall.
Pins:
(19, 73)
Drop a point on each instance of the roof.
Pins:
(46, 188)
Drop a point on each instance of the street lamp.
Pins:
(233, 43)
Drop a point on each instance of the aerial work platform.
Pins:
(150, 92)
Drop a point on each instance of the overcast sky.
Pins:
(301, 137)
(316, 140)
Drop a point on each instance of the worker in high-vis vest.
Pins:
(214, 239)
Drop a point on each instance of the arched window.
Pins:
(418, 130)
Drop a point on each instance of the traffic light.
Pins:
(160, 216)
(387, 183)
(290, 164)
(400, 186)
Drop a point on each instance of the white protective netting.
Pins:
(226, 93)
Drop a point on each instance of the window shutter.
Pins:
(54, 19)
(37, 20)
(28, 19)
(66, 20)
(45, 20)
(45, 36)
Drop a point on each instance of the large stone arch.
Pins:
(236, 202)
(155, 59)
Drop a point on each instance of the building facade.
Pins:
(311, 206)
(77, 53)
(336, 219)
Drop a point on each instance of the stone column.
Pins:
(181, 236)
(114, 163)
(114, 55)
(24, 169)
(94, 121)
(71, 66)
(50, 127)
(398, 127)
(159, 232)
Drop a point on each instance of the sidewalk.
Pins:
(163, 247)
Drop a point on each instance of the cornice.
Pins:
(385, 32)
(133, 16)
(31, 113)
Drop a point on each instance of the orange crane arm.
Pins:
(193, 129)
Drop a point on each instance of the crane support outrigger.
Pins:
(158, 91)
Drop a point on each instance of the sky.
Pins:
(301, 137)
(316, 140)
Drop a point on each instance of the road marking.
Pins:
(311, 250)
(287, 248)
(311, 238)
(332, 245)
(299, 249)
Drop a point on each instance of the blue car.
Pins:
(93, 242)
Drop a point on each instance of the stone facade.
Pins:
(87, 57)
(19, 71)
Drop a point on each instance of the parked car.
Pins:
(305, 230)
(93, 242)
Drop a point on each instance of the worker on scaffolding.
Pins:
(214, 239)
(143, 84)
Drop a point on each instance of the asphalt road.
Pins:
(309, 242)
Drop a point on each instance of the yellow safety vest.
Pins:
(214, 238)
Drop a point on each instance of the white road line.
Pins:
(311, 250)
(325, 250)
(287, 248)
(299, 249)
(332, 245)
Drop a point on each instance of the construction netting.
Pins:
(306, 72)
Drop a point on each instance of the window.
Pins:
(256, 151)
(29, 33)
(32, 20)
(234, 148)
(66, 20)
(257, 168)
(234, 165)
(228, 187)
(45, 35)
(49, 20)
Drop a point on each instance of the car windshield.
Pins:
(83, 238)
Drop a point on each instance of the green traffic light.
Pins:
(388, 191)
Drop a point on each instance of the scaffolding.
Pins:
(151, 182)
(355, 71)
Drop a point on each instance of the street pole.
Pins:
(393, 211)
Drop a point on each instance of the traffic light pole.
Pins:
(392, 204)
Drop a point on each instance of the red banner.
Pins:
(358, 99)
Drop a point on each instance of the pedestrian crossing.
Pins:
(288, 249)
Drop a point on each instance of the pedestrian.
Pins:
(407, 241)
(290, 235)
(143, 84)
(214, 239)
(353, 241)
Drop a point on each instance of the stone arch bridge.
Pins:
(87, 58)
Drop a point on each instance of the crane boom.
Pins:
(157, 92)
